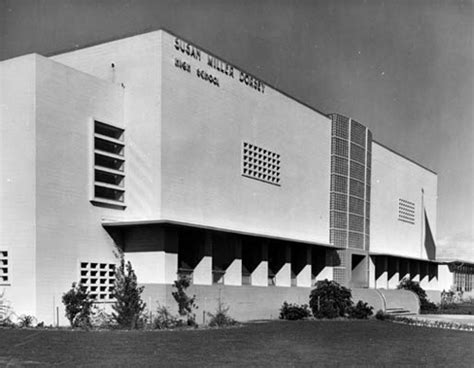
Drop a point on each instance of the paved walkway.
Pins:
(453, 318)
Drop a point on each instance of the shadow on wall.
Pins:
(429, 240)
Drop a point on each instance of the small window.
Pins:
(406, 211)
(4, 268)
(261, 164)
(109, 165)
(99, 279)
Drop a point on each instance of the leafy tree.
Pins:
(425, 304)
(186, 304)
(78, 306)
(128, 305)
(330, 300)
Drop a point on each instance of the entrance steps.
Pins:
(399, 312)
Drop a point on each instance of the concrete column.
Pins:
(433, 276)
(283, 275)
(233, 273)
(415, 271)
(372, 283)
(303, 278)
(158, 264)
(394, 273)
(259, 276)
(445, 277)
(381, 269)
(424, 275)
(202, 274)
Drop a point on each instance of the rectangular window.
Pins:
(4, 274)
(261, 164)
(406, 211)
(98, 278)
(109, 163)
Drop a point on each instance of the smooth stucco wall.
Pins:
(137, 71)
(203, 127)
(17, 180)
(69, 227)
(394, 177)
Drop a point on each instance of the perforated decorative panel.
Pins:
(261, 164)
(339, 165)
(406, 211)
(98, 278)
(338, 183)
(338, 202)
(4, 274)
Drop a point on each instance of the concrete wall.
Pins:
(394, 177)
(68, 226)
(137, 69)
(203, 129)
(18, 180)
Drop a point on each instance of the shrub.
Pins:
(78, 306)
(221, 318)
(425, 304)
(330, 300)
(186, 304)
(128, 305)
(165, 319)
(381, 315)
(294, 312)
(361, 310)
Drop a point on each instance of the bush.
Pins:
(186, 304)
(381, 315)
(78, 306)
(221, 318)
(361, 310)
(165, 319)
(330, 300)
(294, 312)
(128, 305)
(425, 304)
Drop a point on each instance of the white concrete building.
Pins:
(154, 148)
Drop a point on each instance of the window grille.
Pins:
(338, 202)
(357, 154)
(339, 147)
(261, 164)
(357, 188)
(358, 133)
(339, 165)
(356, 205)
(109, 163)
(357, 171)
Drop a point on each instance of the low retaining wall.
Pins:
(254, 302)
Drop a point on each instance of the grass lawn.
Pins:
(273, 344)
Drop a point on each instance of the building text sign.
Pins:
(218, 65)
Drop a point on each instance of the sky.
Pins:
(403, 68)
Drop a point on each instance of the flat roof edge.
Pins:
(130, 35)
(405, 157)
(402, 256)
(126, 223)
